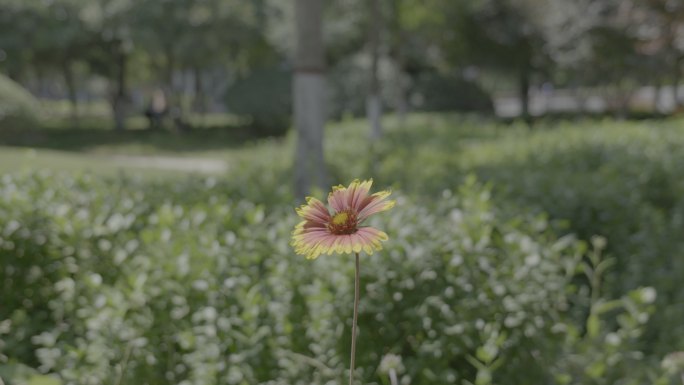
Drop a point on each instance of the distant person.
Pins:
(157, 109)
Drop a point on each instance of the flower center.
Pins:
(340, 218)
(343, 222)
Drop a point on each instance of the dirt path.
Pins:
(202, 165)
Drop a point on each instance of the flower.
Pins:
(390, 362)
(324, 233)
(673, 363)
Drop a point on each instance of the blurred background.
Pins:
(152, 153)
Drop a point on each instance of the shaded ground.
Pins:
(130, 141)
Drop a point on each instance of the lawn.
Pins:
(56, 146)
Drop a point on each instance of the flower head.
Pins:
(323, 232)
(673, 363)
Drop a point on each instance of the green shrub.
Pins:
(347, 89)
(18, 108)
(194, 280)
(432, 91)
(621, 180)
(348, 85)
(438, 92)
(265, 96)
(191, 282)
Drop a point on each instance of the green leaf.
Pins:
(593, 326)
(43, 380)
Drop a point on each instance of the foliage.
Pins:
(438, 92)
(595, 353)
(194, 283)
(18, 108)
(121, 50)
(263, 96)
(348, 83)
(167, 281)
(622, 181)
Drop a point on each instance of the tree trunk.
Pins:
(309, 97)
(170, 68)
(676, 75)
(374, 115)
(173, 98)
(402, 102)
(42, 88)
(119, 100)
(524, 91)
(68, 73)
(199, 104)
(657, 100)
(373, 102)
(623, 96)
(580, 101)
(398, 40)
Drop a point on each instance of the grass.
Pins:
(443, 141)
(15, 159)
(96, 147)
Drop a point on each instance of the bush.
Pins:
(430, 91)
(438, 92)
(348, 84)
(620, 180)
(193, 283)
(265, 96)
(624, 183)
(194, 280)
(18, 108)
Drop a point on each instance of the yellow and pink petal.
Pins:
(316, 242)
(338, 200)
(358, 192)
(314, 211)
(324, 233)
(374, 204)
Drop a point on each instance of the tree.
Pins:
(309, 96)
(664, 38)
(195, 36)
(49, 38)
(508, 29)
(567, 29)
(112, 48)
(398, 40)
(374, 102)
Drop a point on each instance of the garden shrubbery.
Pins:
(18, 108)
(192, 283)
(624, 181)
(439, 92)
(263, 96)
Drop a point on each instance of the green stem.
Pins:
(393, 377)
(356, 314)
(124, 364)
